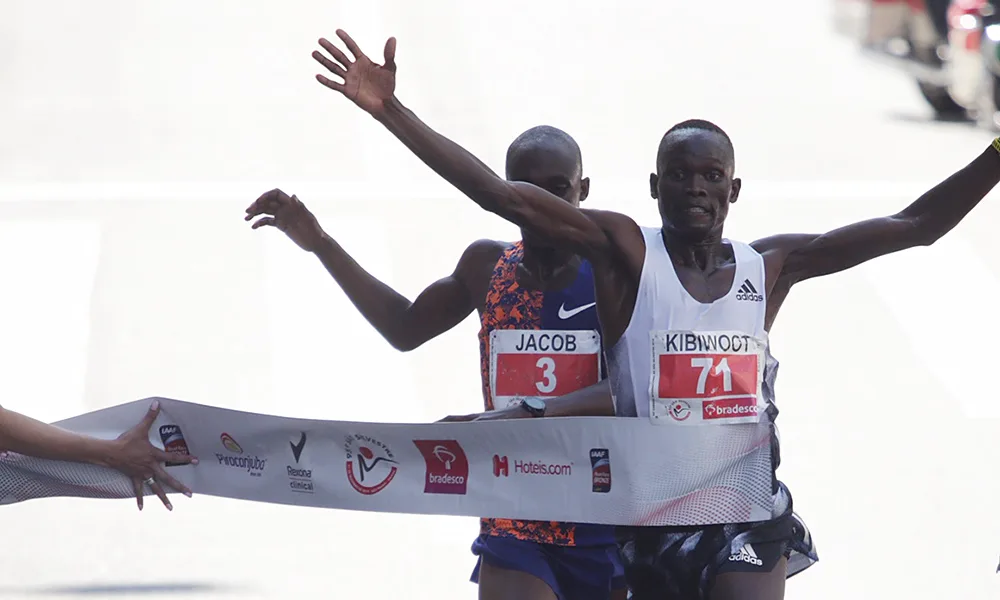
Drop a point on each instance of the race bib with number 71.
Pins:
(541, 363)
(706, 378)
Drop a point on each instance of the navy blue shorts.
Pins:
(573, 572)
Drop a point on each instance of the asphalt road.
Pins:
(134, 135)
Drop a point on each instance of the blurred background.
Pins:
(134, 134)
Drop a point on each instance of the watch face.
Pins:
(534, 404)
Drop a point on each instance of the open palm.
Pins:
(365, 83)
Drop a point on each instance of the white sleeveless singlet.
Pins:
(703, 371)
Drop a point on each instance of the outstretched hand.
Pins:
(287, 214)
(134, 456)
(365, 83)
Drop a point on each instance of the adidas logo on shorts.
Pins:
(748, 292)
(747, 555)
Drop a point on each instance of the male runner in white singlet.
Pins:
(684, 312)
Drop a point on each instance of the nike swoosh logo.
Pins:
(297, 448)
(566, 314)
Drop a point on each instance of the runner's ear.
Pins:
(584, 188)
(734, 192)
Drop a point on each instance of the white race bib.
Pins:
(528, 363)
(706, 378)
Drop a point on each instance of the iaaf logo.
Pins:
(600, 464)
(730, 408)
(173, 441)
(447, 466)
(371, 465)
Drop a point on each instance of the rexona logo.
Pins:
(600, 464)
(254, 465)
(501, 466)
(173, 441)
(730, 408)
(447, 466)
(299, 479)
(371, 465)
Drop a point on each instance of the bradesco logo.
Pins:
(254, 465)
(730, 408)
(502, 464)
(447, 466)
(371, 465)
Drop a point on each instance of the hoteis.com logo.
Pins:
(502, 467)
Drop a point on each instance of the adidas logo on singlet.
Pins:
(748, 292)
(747, 555)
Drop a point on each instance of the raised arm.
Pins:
(921, 223)
(405, 325)
(372, 87)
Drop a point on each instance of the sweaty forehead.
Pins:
(695, 145)
(543, 161)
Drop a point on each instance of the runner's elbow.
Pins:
(404, 343)
(925, 232)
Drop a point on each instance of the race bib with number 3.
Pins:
(541, 363)
(706, 378)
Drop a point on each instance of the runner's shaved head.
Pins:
(543, 139)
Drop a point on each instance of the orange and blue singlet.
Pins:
(510, 306)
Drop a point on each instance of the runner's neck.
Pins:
(707, 254)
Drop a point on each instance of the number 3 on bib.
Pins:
(706, 378)
(540, 363)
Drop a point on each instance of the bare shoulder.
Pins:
(775, 250)
(480, 256)
(628, 248)
(475, 267)
(611, 221)
(784, 242)
(484, 249)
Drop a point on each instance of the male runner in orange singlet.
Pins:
(536, 309)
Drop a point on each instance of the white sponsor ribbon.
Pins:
(585, 469)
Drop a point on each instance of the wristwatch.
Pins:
(534, 406)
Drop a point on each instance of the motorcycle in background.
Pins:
(950, 47)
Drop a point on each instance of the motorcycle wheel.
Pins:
(939, 99)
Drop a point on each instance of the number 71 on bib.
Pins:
(706, 378)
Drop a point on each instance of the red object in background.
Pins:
(962, 8)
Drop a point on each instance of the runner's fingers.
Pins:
(265, 222)
(333, 85)
(337, 54)
(259, 206)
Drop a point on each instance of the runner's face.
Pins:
(553, 169)
(694, 183)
